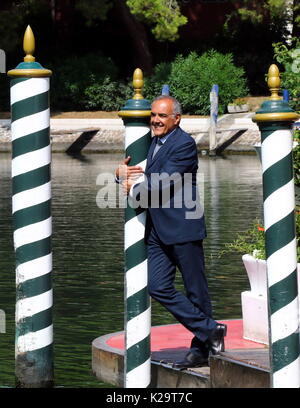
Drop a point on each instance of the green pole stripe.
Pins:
(135, 254)
(30, 106)
(40, 362)
(34, 287)
(130, 121)
(138, 353)
(265, 133)
(137, 303)
(277, 175)
(269, 129)
(138, 150)
(30, 143)
(33, 250)
(31, 179)
(31, 215)
(283, 292)
(280, 234)
(132, 212)
(285, 351)
(15, 81)
(35, 323)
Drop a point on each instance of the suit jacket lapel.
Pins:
(150, 152)
(169, 142)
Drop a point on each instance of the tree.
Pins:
(62, 19)
(249, 33)
(163, 16)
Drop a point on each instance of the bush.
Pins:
(153, 85)
(191, 79)
(74, 75)
(108, 95)
(91, 82)
(289, 58)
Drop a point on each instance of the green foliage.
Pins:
(93, 10)
(90, 82)
(164, 15)
(14, 19)
(191, 79)
(107, 95)
(251, 242)
(289, 58)
(249, 32)
(296, 158)
(72, 76)
(153, 84)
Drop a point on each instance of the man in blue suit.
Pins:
(175, 230)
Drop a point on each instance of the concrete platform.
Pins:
(109, 133)
(244, 364)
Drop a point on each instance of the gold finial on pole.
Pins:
(29, 45)
(274, 82)
(138, 83)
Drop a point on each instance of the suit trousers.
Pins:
(193, 309)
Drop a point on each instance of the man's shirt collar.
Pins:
(164, 138)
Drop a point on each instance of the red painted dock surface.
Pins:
(175, 336)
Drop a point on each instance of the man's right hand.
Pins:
(125, 172)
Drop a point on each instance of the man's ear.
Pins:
(177, 119)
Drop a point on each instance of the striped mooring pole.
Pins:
(137, 360)
(31, 201)
(275, 119)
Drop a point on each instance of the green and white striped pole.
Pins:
(31, 201)
(137, 360)
(275, 119)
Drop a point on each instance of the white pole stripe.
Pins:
(273, 212)
(142, 164)
(138, 328)
(32, 305)
(30, 124)
(288, 376)
(282, 263)
(35, 340)
(31, 197)
(139, 377)
(134, 133)
(275, 147)
(33, 232)
(26, 89)
(33, 269)
(136, 278)
(281, 326)
(31, 161)
(135, 230)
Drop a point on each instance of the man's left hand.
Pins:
(127, 184)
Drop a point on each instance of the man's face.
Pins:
(162, 118)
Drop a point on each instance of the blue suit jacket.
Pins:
(175, 217)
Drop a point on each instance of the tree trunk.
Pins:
(142, 57)
(62, 14)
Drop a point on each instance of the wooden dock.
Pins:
(244, 364)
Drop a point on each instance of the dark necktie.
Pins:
(158, 145)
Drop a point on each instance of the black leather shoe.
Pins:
(191, 360)
(216, 340)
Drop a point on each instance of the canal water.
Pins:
(88, 255)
